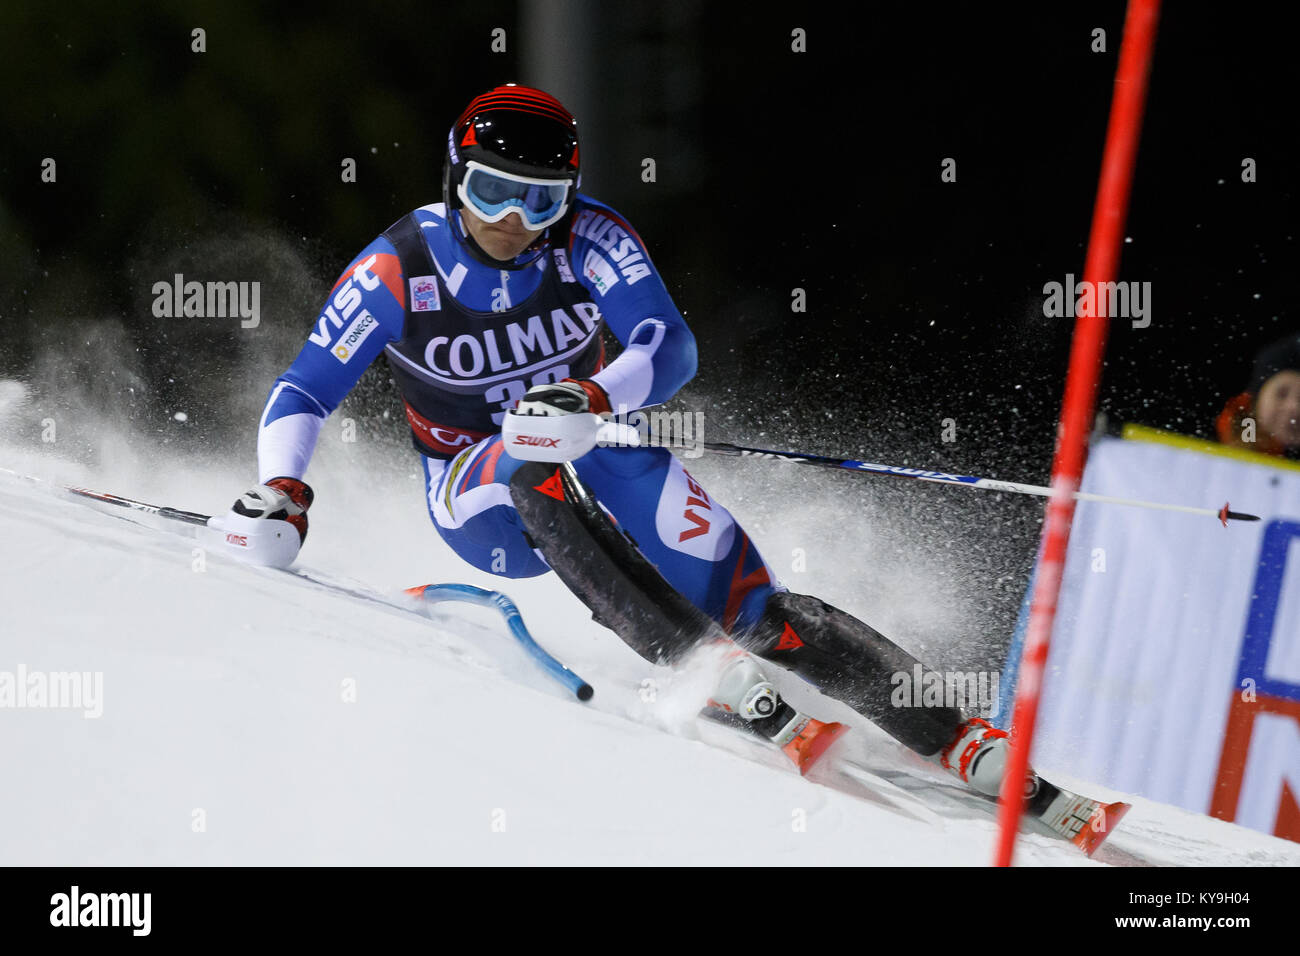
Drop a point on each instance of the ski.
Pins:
(811, 742)
(801, 738)
(1051, 810)
(1071, 816)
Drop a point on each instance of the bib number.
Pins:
(506, 395)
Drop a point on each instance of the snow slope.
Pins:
(225, 736)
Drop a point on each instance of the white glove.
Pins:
(549, 436)
(267, 524)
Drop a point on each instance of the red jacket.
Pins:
(1228, 426)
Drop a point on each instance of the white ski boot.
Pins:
(745, 698)
(978, 757)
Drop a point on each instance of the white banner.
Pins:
(1175, 664)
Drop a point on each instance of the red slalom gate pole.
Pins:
(1086, 350)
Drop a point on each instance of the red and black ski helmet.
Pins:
(515, 129)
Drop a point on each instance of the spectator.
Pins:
(1266, 417)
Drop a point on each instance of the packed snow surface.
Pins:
(250, 716)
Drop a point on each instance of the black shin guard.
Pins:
(850, 661)
(604, 568)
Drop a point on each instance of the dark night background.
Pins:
(775, 170)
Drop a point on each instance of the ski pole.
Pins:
(965, 481)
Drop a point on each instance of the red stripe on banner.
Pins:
(1287, 824)
(1101, 265)
(1231, 774)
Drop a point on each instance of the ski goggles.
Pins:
(494, 195)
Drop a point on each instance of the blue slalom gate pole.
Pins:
(1011, 669)
(467, 593)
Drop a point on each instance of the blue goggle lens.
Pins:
(491, 194)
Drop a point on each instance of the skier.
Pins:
(489, 307)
